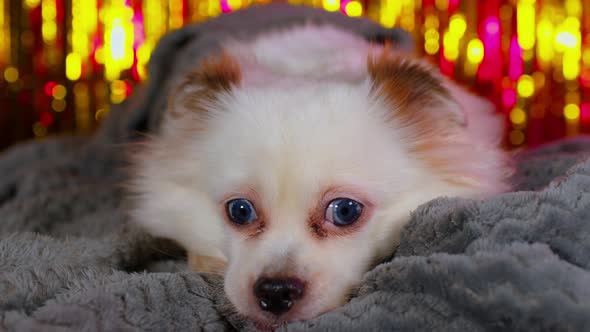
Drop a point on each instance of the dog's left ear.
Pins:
(419, 96)
(448, 125)
(413, 89)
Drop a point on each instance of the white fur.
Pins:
(303, 120)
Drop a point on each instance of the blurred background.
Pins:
(63, 62)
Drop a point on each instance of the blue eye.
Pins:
(343, 211)
(241, 211)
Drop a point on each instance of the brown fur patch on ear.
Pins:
(415, 94)
(216, 74)
(419, 101)
(406, 83)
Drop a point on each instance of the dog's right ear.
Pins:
(201, 87)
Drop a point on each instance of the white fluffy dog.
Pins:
(291, 163)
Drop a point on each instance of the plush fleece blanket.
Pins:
(70, 261)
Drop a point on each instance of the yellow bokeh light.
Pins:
(407, 15)
(233, 4)
(573, 7)
(431, 22)
(80, 43)
(431, 46)
(59, 92)
(470, 68)
(155, 17)
(527, 55)
(58, 105)
(571, 112)
(544, 40)
(88, 15)
(48, 10)
(571, 24)
(525, 86)
(451, 46)
(99, 55)
(118, 87)
(458, 25)
(49, 31)
(525, 24)
(32, 3)
(143, 53)
(141, 72)
(544, 29)
(431, 34)
(354, 9)
(214, 8)
(5, 42)
(175, 9)
(39, 130)
(517, 137)
(390, 12)
(539, 78)
(518, 116)
(118, 91)
(49, 25)
(475, 51)
(571, 64)
(81, 106)
(117, 99)
(331, 5)
(84, 24)
(73, 66)
(80, 89)
(11, 74)
(118, 38)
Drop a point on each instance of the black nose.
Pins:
(277, 295)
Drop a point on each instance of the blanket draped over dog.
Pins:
(70, 261)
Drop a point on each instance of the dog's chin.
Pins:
(272, 323)
(268, 322)
(265, 322)
(266, 326)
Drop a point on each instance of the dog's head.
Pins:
(303, 187)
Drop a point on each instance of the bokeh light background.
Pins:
(63, 63)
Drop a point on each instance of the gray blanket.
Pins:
(70, 261)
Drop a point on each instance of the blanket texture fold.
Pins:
(71, 261)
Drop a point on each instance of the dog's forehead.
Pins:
(297, 142)
(327, 119)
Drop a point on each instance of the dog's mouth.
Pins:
(267, 321)
(272, 323)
